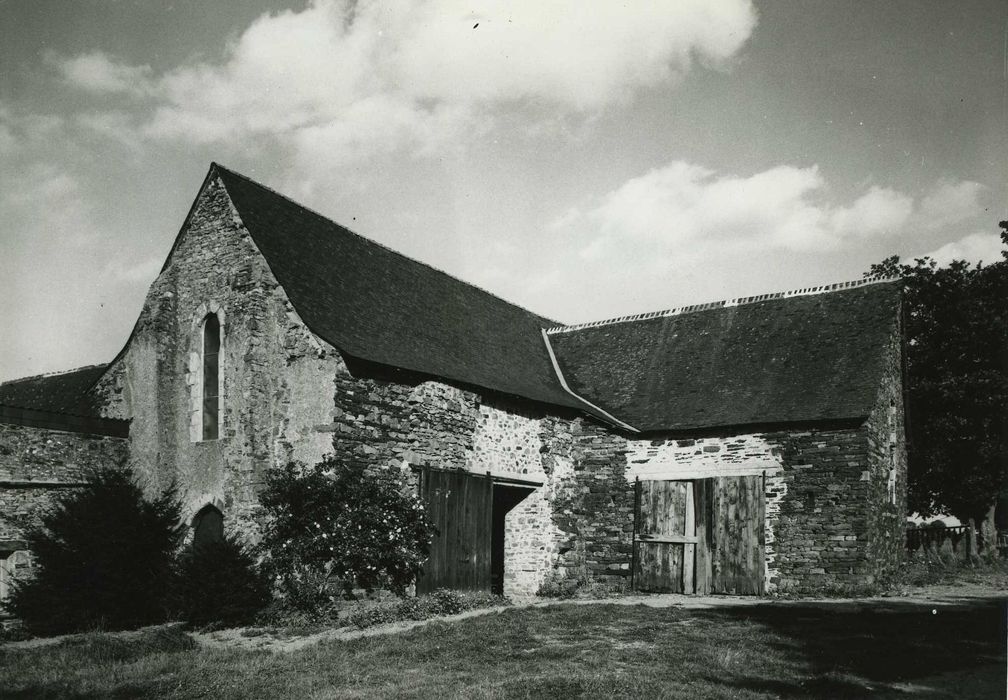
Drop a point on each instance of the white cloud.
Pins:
(682, 206)
(98, 72)
(974, 248)
(682, 209)
(879, 211)
(342, 77)
(950, 202)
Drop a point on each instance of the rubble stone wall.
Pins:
(886, 505)
(55, 460)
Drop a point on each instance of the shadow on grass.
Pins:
(853, 648)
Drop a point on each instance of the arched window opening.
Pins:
(211, 381)
(208, 527)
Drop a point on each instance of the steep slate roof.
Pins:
(378, 305)
(800, 358)
(63, 392)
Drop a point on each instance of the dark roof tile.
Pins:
(62, 392)
(801, 358)
(378, 305)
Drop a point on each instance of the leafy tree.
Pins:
(335, 521)
(957, 376)
(103, 558)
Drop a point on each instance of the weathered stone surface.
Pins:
(276, 377)
(53, 458)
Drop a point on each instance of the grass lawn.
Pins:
(898, 649)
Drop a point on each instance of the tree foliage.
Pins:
(957, 382)
(338, 522)
(103, 558)
(219, 582)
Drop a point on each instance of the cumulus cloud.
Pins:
(880, 211)
(976, 247)
(683, 205)
(98, 72)
(359, 76)
(950, 202)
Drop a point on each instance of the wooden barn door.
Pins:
(461, 508)
(734, 512)
(703, 536)
(665, 538)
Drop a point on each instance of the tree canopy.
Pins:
(956, 326)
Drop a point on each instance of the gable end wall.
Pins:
(276, 376)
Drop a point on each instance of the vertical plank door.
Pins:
(735, 534)
(461, 507)
(665, 540)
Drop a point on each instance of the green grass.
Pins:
(778, 650)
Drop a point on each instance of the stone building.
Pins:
(743, 446)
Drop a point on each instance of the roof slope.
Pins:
(63, 392)
(799, 358)
(378, 305)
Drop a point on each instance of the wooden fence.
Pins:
(959, 541)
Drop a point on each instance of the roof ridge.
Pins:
(724, 303)
(46, 375)
(214, 164)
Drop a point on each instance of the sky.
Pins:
(584, 160)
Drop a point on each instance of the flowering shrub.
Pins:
(334, 523)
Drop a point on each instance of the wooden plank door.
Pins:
(665, 538)
(460, 505)
(734, 533)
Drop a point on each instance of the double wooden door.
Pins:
(700, 536)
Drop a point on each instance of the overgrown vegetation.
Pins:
(219, 583)
(935, 568)
(582, 585)
(332, 528)
(957, 382)
(104, 558)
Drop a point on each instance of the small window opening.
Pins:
(208, 527)
(211, 379)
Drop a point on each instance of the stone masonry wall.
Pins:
(54, 459)
(276, 377)
(821, 535)
(593, 509)
(886, 506)
(384, 419)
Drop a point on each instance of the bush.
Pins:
(103, 558)
(338, 522)
(446, 602)
(218, 582)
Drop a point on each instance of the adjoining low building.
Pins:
(743, 446)
(51, 438)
